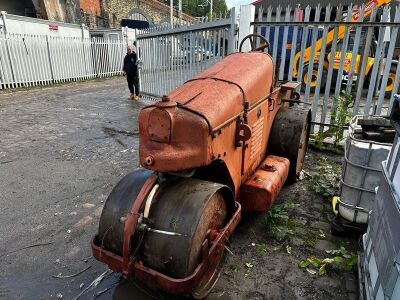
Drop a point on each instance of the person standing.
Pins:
(130, 70)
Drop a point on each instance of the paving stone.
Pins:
(325, 245)
(325, 226)
(316, 215)
(352, 296)
(319, 207)
(351, 284)
(301, 220)
(301, 231)
(297, 241)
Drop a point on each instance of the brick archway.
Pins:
(139, 14)
(165, 21)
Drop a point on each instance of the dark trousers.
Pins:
(133, 84)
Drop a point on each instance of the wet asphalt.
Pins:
(61, 152)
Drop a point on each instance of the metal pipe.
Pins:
(171, 4)
(211, 9)
(180, 12)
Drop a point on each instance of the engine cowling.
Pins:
(179, 132)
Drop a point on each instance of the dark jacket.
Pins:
(130, 66)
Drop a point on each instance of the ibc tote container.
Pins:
(379, 264)
(381, 261)
(361, 171)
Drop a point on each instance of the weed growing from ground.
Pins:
(249, 266)
(277, 221)
(341, 258)
(326, 181)
(342, 115)
(231, 270)
(261, 248)
(339, 120)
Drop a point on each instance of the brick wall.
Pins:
(91, 6)
(155, 11)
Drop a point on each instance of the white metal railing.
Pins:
(335, 49)
(172, 56)
(30, 60)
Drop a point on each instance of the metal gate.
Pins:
(169, 57)
(336, 50)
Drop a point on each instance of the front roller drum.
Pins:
(201, 214)
(117, 207)
(194, 209)
(289, 137)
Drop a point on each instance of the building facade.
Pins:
(94, 13)
(151, 11)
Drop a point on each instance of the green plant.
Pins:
(341, 116)
(262, 248)
(319, 140)
(342, 256)
(326, 181)
(249, 266)
(338, 257)
(231, 270)
(277, 220)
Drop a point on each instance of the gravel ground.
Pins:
(63, 148)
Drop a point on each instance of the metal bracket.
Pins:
(271, 102)
(295, 99)
(243, 134)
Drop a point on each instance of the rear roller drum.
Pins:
(289, 137)
(191, 208)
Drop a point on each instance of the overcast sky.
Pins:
(237, 3)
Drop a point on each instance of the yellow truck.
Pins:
(347, 61)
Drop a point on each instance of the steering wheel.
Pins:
(252, 37)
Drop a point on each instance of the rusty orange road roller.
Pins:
(223, 142)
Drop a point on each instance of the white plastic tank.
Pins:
(360, 173)
(379, 264)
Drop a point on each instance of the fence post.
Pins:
(231, 39)
(83, 30)
(3, 17)
(139, 56)
(95, 56)
(388, 64)
(247, 13)
(11, 61)
(50, 61)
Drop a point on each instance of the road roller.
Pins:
(224, 142)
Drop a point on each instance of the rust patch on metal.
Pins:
(261, 190)
(160, 126)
